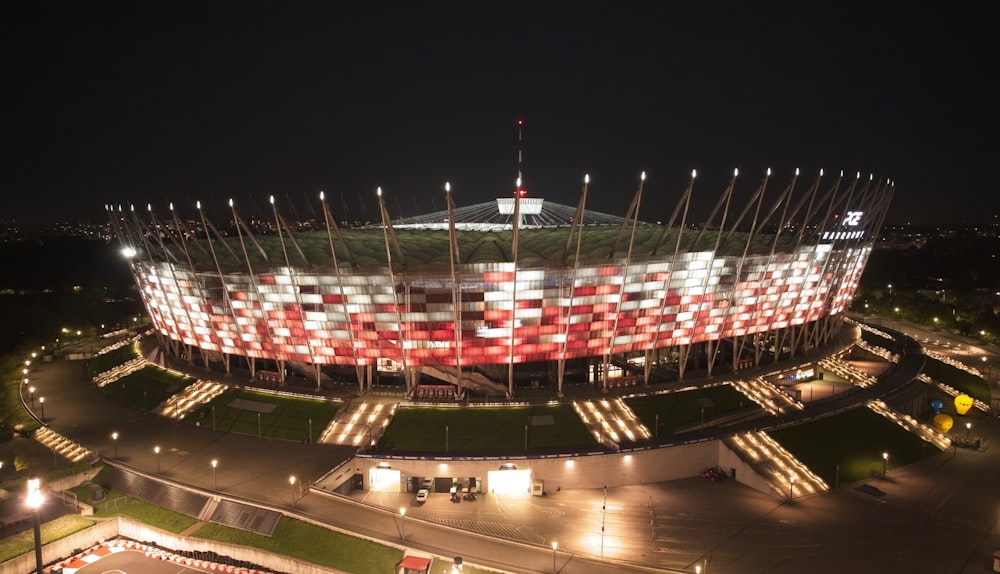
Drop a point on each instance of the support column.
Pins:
(561, 370)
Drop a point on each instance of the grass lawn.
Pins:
(288, 417)
(108, 361)
(878, 340)
(854, 440)
(24, 542)
(312, 543)
(147, 387)
(674, 410)
(956, 378)
(484, 430)
(13, 413)
(115, 503)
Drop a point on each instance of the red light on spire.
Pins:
(522, 192)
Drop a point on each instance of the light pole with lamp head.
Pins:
(791, 486)
(555, 545)
(291, 483)
(885, 463)
(41, 404)
(215, 474)
(968, 429)
(114, 441)
(31, 393)
(402, 523)
(156, 449)
(34, 501)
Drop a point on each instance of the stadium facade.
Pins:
(501, 295)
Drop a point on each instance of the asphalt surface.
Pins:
(940, 515)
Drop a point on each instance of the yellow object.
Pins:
(962, 404)
(943, 422)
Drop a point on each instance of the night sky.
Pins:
(114, 103)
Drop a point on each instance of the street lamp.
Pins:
(291, 482)
(114, 441)
(555, 545)
(968, 428)
(34, 501)
(156, 449)
(885, 462)
(31, 391)
(791, 486)
(215, 475)
(402, 523)
(41, 404)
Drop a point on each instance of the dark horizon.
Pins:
(120, 103)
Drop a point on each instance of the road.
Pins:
(940, 515)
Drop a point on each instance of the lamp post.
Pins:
(291, 483)
(114, 441)
(402, 523)
(968, 429)
(604, 515)
(215, 474)
(885, 463)
(156, 449)
(791, 486)
(1, 471)
(34, 501)
(31, 393)
(41, 404)
(555, 545)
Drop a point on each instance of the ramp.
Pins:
(470, 379)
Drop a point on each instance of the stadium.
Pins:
(506, 296)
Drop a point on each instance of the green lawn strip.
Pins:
(24, 542)
(958, 379)
(288, 420)
(483, 430)
(14, 416)
(147, 387)
(311, 543)
(854, 441)
(674, 410)
(111, 359)
(878, 340)
(566, 430)
(116, 503)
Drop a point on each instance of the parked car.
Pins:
(713, 474)
(422, 495)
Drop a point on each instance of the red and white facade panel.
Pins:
(360, 317)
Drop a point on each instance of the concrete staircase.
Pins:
(63, 446)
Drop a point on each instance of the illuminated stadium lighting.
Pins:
(585, 286)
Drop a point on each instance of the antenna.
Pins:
(520, 158)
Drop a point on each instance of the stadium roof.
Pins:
(483, 234)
